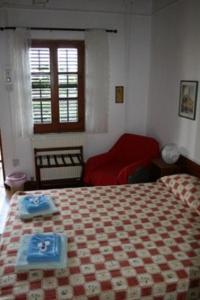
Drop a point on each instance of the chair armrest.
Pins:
(94, 161)
(128, 170)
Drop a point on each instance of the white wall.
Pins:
(138, 74)
(120, 117)
(175, 57)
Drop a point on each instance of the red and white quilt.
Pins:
(124, 242)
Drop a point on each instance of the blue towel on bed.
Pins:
(35, 203)
(44, 248)
(23, 265)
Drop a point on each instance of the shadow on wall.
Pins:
(197, 137)
(187, 138)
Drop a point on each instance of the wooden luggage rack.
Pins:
(56, 158)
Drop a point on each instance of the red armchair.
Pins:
(128, 154)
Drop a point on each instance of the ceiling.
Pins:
(144, 7)
(161, 4)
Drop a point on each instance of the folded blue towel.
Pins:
(36, 203)
(25, 214)
(44, 248)
(22, 264)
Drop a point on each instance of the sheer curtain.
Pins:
(19, 86)
(97, 81)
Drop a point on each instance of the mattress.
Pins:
(124, 242)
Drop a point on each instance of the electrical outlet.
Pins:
(15, 162)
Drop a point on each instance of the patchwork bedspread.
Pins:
(124, 242)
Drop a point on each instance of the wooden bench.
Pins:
(58, 157)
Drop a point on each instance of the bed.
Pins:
(137, 241)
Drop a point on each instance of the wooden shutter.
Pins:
(41, 85)
(68, 84)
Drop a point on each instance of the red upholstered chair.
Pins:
(129, 153)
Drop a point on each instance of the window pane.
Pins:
(41, 85)
(67, 60)
(67, 79)
(68, 93)
(42, 112)
(68, 111)
(68, 84)
(39, 60)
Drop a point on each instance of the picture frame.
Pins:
(119, 94)
(188, 99)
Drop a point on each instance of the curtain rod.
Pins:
(56, 29)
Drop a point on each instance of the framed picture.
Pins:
(119, 94)
(188, 99)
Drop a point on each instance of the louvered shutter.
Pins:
(68, 84)
(41, 85)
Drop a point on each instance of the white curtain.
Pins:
(97, 81)
(19, 86)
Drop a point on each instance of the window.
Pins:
(57, 75)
